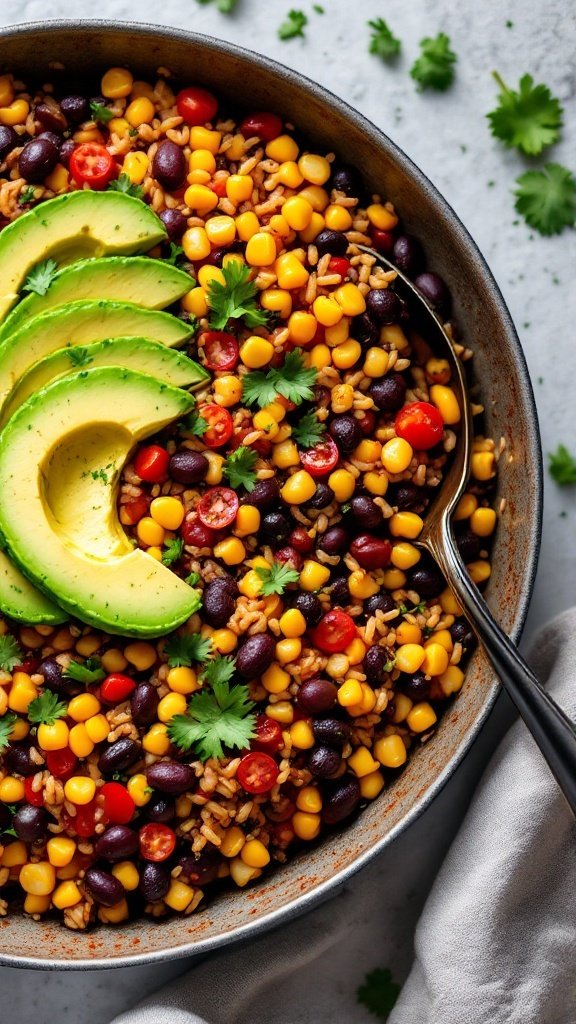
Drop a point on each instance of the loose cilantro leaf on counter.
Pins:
(239, 468)
(383, 42)
(227, 6)
(276, 578)
(293, 26)
(100, 113)
(293, 380)
(236, 299)
(90, 672)
(308, 431)
(379, 992)
(40, 277)
(26, 196)
(223, 718)
(529, 118)
(185, 650)
(218, 670)
(562, 466)
(6, 725)
(173, 551)
(46, 709)
(547, 199)
(123, 184)
(10, 653)
(434, 67)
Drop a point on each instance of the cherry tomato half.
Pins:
(220, 350)
(151, 464)
(92, 164)
(257, 772)
(157, 841)
(134, 510)
(268, 735)
(116, 688)
(84, 821)
(118, 804)
(262, 123)
(196, 105)
(197, 534)
(339, 265)
(34, 797)
(334, 632)
(420, 424)
(61, 763)
(322, 458)
(220, 425)
(217, 508)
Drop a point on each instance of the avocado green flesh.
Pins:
(72, 227)
(152, 284)
(21, 601)
(60, 458)
(140, 354)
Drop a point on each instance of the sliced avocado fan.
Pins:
(20, 600)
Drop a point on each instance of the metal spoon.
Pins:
(553, 731)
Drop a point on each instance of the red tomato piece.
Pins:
(217, 508)
(196, 105)
(134, 510)
(383, 241)
(83, 824)
(262, 123)
(257, 772)
(93, 165)
(339, 265)
(61, 763)
(322, 458)
(197, 534)
(29, 665)
(262, 446)
(118, 804)
(220, 350)
(420, 424)
(334, 632)
(157, 842)
(268, 735)
(33, 797)
(151, 464)
(220, 425)
(218, 187)
(116, 688)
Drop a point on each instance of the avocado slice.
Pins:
(152, 284)
(70, 227)
(140, 354)
(60, 459)
(21, 601)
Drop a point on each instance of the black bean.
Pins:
(365, 330)
(468, 545)
(333, 242)
(334, 540)
(346, 179)
(8, 140)
(416, 686)
(341, 799)
(51, 118)
(310, 607)
(275, 527)
(188, 467)
(170, 777)
(256, 655)
(345, 430)
(200, 870)
(37, 159)
(407, 255)
(375, 661)
(316, 696)
(339, 593)
(143, 704)
(322, 497)
(324, 762)
(366, 512)
(5, 821)
(388, 394)
(169, 165)
(462, 633)
(218, 603)
(154, 881)
(66, 150)
(119, 755)
(75, 109)
(117, 843)
(161, 808)
(103, 887)
(17, 759)
(57, 682)
(383, 306)
(427, 581)
(56, 140)
(30, 823)
(408, 498)
(265, 494)
(382, 602)
(175, 224)
(434, 290)
(322, 396)
(331, 732)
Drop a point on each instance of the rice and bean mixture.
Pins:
(296, 520)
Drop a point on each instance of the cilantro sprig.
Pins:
(293, 25)
(379, 992)
(547, 198)
(528, 118)
(46, 709)
(308, 431)
(40, 277)
(276, 578)
(218, 670)
(27, 195)
(562, 466)
(383, 42)
(176, 253)
(195, 424)
(88, 673)
(215, 720)
(236, 299)
(172, 551)
(124, 184)
(100, 113)
(293, 380)
(187, 649)
(6, 725)
(10, 653)
(239, 468)
(79, 356)
(434, 68)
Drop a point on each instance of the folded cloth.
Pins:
(496, 941)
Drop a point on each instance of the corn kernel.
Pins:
(179, 895)
(247, 520)
(301, 735)
(256, 352)
(205, 139)
(80, 790)
(11, 790)
(261, 250)
(116, 83)
(396, 455)
(320, 357)
(66, 895)
(342, 483)
(247, 225)
(408, 633)
(337, 666)
(442, 637)
(371, 785)
(231, 551)
(282, 148)
(36, 904)
(182, 680)
(282, 712)
(227, 390)
(375, 362)
(314, 228)
(449, 604)
(195, 302)
(239, 187)
(38, 879)
(139, 789)
(233, 841)
(140, 654)
(436, 660)
(277, 300)
(298, 488)
(195, 242)
(327, 311)
(376, 483)
(19, 730)
(366, 704)
(140, 111)
(170, 705)
(404, 555)
(290, 271)
(83, 706)
(479, 571)
(97, 728)
(351, 300)
(201, 199)
(314, 168)
(446, 402)
(127, 874)
(79, 741)
(14, 112)
(313, 576)
(421, 717)
(362, 763)
(405, 524)
(337, 218)
(88, 135)
(224, 641)
(292, 623)
(266, 421)
(309, 799)
(57, 180)
(451, 680)
(390, 751)
(114, 915)
(297, 212)
(275, 679)
(156, 741)
(482, 464)
(350, 693)
(356, 651)
(251, 584)
(369, 450)
(409, 658)
(6, 90)
(255, 854)
(342, 398)
(14, 855)
(483, 522)
(140, 88)
(362, 585)
(288, 650)
(306, 826)
(22, 693)
(381, 218)
(346, 355)
(150, 532)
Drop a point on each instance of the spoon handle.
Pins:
(553, 731)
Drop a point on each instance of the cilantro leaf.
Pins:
(293, 380)
(10, 653)
(434, 67)
(6, 725)
(239, 468)
(40, 277)
(123, 184)
(27, 195)
(562, 466)
(218, 670)
(236, 299)
(79, 356)
(195, 424)
(379, 992)
(192, 579)
(173, 551)
(186, 649)
(223, 718)
(90, 672)
(308, 431)
(529, 119)
(100, 113)
(383, 42)
(46, 709)
(276, 578)
(226, 6)
(293, 26)
(259, 388)
(547, 199)
(176, 252)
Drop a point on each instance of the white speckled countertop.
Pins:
(447, 136)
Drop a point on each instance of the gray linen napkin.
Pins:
(496, 941)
